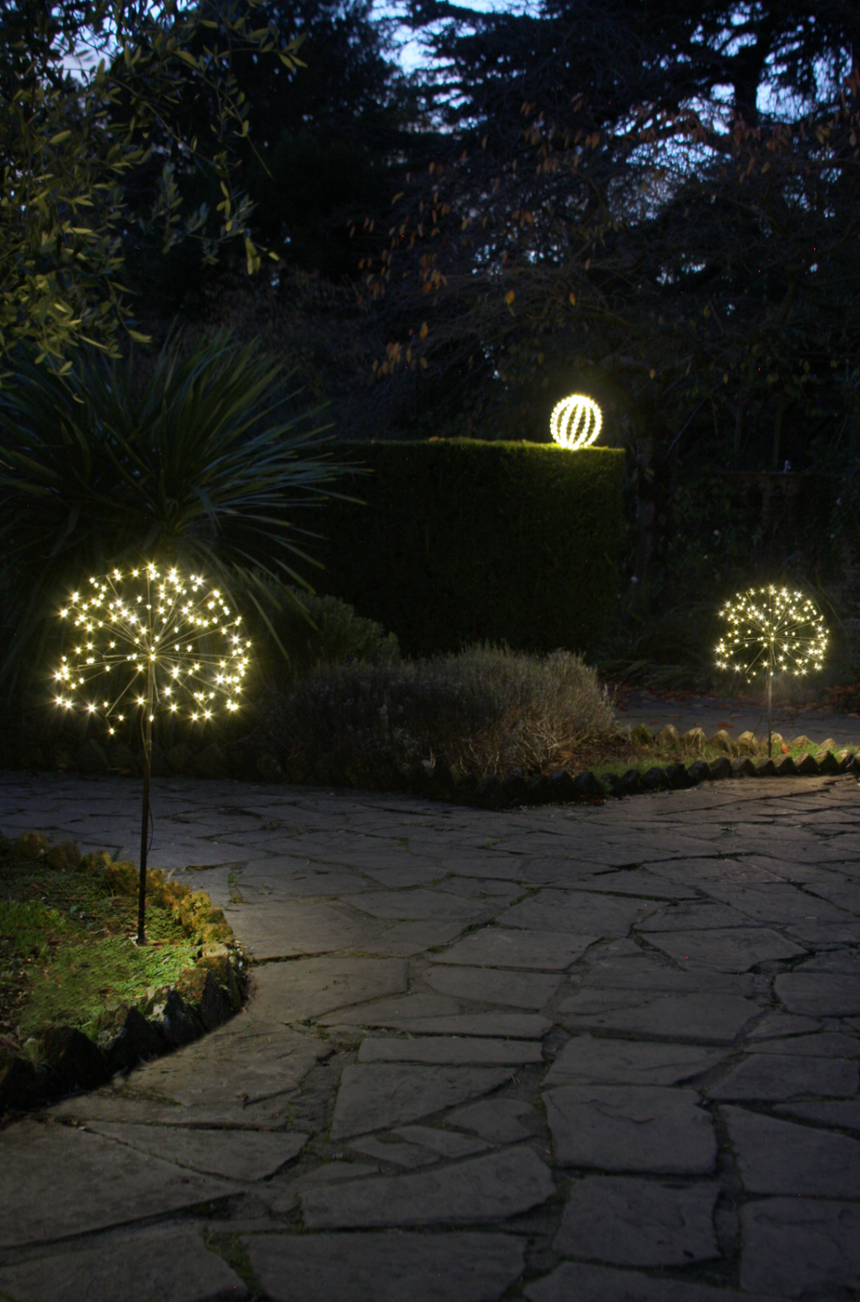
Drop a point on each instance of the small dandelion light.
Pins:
(575, 422)
(771, 631)
(145, 641)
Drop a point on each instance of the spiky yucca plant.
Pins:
(198, 467)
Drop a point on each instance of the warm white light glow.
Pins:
(120, 647)
(772, 626)
(575, 421)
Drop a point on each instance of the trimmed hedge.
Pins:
(458, 540)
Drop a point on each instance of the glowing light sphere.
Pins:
(147, 640)
(575, 421)
(772, 630)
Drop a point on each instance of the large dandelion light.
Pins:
(575, 422)
(772, 631)
(150, 641)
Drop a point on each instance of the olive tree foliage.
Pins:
(93, 93)
(319, 151)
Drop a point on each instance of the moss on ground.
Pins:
(67, 950)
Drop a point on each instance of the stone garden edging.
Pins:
(435, 780)
(743, 757)
(63, 1060)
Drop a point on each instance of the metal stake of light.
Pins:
(772, 630)
(149, 640)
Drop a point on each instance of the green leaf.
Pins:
(208, 461)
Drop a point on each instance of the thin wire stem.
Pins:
(770, 682)
(146, 729)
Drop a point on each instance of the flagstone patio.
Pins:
(570, 1053)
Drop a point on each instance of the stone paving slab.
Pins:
(301, 929)
(420, 905)
(282, 876)
(670, 1129)
(240, 1065)
(124, 1106)
(442, 1142)
(586, 1060)
(234, 1154)
(283, 1197)
(626, 1221)
(692, 915)
(652, 971)
(380, 1095)
(825, 1044)
(733, 949)
(781, 903)
(497, 1120)
(777, 1025)
(386, 1012)
(655, 887)
(387, 1267)
(778, 1157)
(157, 1265)
(713, 876)
(819, 994)
(793, 1245)
(531, 990)
(842, 1113)
(65, 1181)
(394, 1153)
(408, 938)
(835, 960)
(576, 911)
(776, 1077)
(572, 1282)
(717, 1018)
(449, 1048)
(631, 1128)
(293, 992)
(547, 951)
(494, 1187)
(418, 1146)
(516, 1026)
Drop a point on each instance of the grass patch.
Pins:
(73, 989)
(644, 758)
(66, 948)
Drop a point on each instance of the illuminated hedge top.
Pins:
(147, 639)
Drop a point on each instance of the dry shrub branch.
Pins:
(486, 710)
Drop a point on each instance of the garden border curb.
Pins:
(64, 1059)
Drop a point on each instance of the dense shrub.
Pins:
(484, 711)
(316, 631)
(458, 541)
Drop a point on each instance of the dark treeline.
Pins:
(658, 203)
